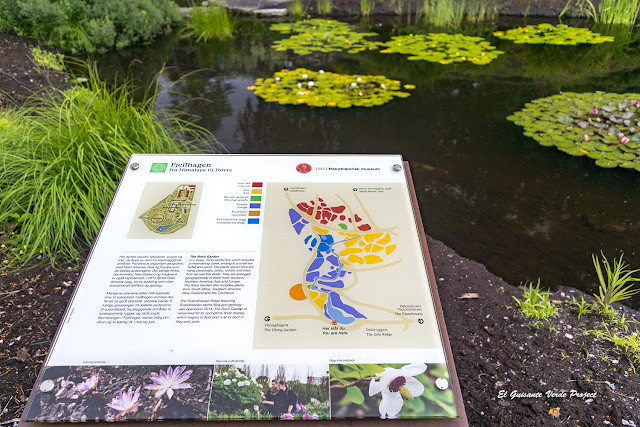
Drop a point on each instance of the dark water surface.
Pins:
(485, 189)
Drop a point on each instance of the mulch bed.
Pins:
(495, 352)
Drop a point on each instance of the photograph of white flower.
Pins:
(388, 391)
(122, 393)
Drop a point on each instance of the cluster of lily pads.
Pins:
(325, 89)
(443, 48)
(602, 126)
(322, 35)
(549, 34)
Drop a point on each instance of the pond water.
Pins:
(485, 189)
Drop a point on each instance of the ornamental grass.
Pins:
(61, 157)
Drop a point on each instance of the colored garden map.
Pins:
(342, 244)
(172, 213)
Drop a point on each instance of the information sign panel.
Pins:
(225, 287)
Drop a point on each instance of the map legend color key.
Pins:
(256, 196)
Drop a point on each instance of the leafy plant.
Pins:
(296, 8)
(582, 306)
(629, 344)
(89, 25)
(618, 12)
(234, 393)
(398, 5)
(325, 89)
(366, 7)
(444, 13)
(614, 289)
(536, 304)
(549, 34)
(478, 11)
(443, 48)
(209, 22)
(321, 35)
(324, 7)
(601, 126)
(47, 59)
(61, 158)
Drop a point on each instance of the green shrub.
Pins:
(89, 25)
(61, 157)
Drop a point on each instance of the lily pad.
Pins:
(325, 89)
(550, 34)
(443, 48)
(580, 125)
(322, 35)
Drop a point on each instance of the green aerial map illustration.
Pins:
(172, 213)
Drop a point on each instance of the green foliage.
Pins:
(296, 8)
(366, 7)
(48, 59)
(613, 289)
(550, 34)
(209, 22)
(444, 13)
(536, 304)
(582, 306)
(324, 7)
(602, 126)
(234, 393)
(324, 89)
(618, 12)
(479, 11)
(443, 48)
(89, 25)
(322, 35)
(398, 5)
(60, 162)
(628, 344)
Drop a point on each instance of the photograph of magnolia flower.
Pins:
(266, 392)
(121, 393)
(402, 390)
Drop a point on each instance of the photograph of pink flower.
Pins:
(121, 393)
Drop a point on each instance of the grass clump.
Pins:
(536, 304)
(212, 21)
(444, 13)
(615, 287)
(61, 157)
(296, 8)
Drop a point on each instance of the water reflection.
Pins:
(484, 188)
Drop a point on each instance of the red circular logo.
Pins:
(303, 168)
(334, 322)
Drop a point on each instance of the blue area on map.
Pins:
(162, 228)
(334, 308)
(297, 221)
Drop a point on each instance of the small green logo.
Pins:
(158, 167)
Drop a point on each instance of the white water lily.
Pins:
(395, 386)
(304, 76)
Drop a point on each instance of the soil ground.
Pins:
(511, 371)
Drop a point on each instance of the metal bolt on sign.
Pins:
(442, 384)
(397, 167)
(135, 166)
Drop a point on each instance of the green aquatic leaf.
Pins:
(325, 89)
(549, 34)
(443, 48)
(322, 35)
(567, 120)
